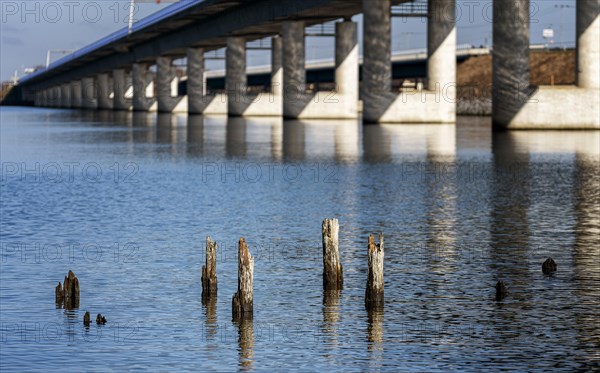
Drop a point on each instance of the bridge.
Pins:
(115, 73)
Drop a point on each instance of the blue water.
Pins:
(126, 201)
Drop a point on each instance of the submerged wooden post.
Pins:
(374, 291)
(549, 266)
(501, 290)
(68, 293)
(333, 276)
(60, 295)
(209, 270)
(243, 301)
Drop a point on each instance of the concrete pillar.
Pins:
(121, 86)
(165, 76)
(57, 90)
(236, 81)
(65, 95)
(105, 90)
(346, 60)
(89, 93)
(76, 94)
(276, 66)
(511, 74)
(195, 81)
(294, 68)
(377, 66)
(588, 44)
(142, 86)
(441, 45)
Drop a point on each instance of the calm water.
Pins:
(126, 202)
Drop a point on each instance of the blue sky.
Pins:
(28, 29)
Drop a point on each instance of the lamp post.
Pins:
(131, 13)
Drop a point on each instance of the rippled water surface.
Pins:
(126, 202)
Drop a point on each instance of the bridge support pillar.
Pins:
(517, 104)
(167, 87)
(436, 103)
(244, 103)
(76, 94)
(339, 104)
(236, 81)
(198, 101)
(143, 88)
(89, 93)
(65, 95)
(588, 44)
(123, 90)
(105, 90)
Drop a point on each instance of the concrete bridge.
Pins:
(115, 72)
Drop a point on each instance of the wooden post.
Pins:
(501, 290)
(60, 295)
(333, 276)
(209, 270)
(69, 292)
(374, 291)
(243, 300)
(549, 266)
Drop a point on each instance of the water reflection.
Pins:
(509, 221)
(246, 344)
(375, 337)
(382, 143)
(210, 315)
(331, 317)
(235, 142)
(586, 252)
(195, 135)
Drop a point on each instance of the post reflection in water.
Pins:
(211, 328)
(235, 142)
(586, 251)
(331, 317)
(195, 135)
(294, 141)
(509, 223)
(246, 344)
(375, 337)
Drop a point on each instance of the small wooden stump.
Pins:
(374, 291)
(60, 295)
(333, 275)
(243, 300)
(67, 295)
(100, 320)
(501, 290)
(549, 266)
(209, 270)
(87, 319)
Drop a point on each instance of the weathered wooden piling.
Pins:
(501, 290)
(549, 266)
(101, 320)
(374, 291)
(209, 270)
(67, 295)
(243, 300)
(87, 319)
(333, 275)
(60, 295)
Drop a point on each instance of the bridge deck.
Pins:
(191, 23)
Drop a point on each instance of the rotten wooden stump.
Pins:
(87, 319)
(68, 293)
(243, 301)
(549, 266)
(333, 275)
(209, 270)
(374, 291)
(501, 290)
